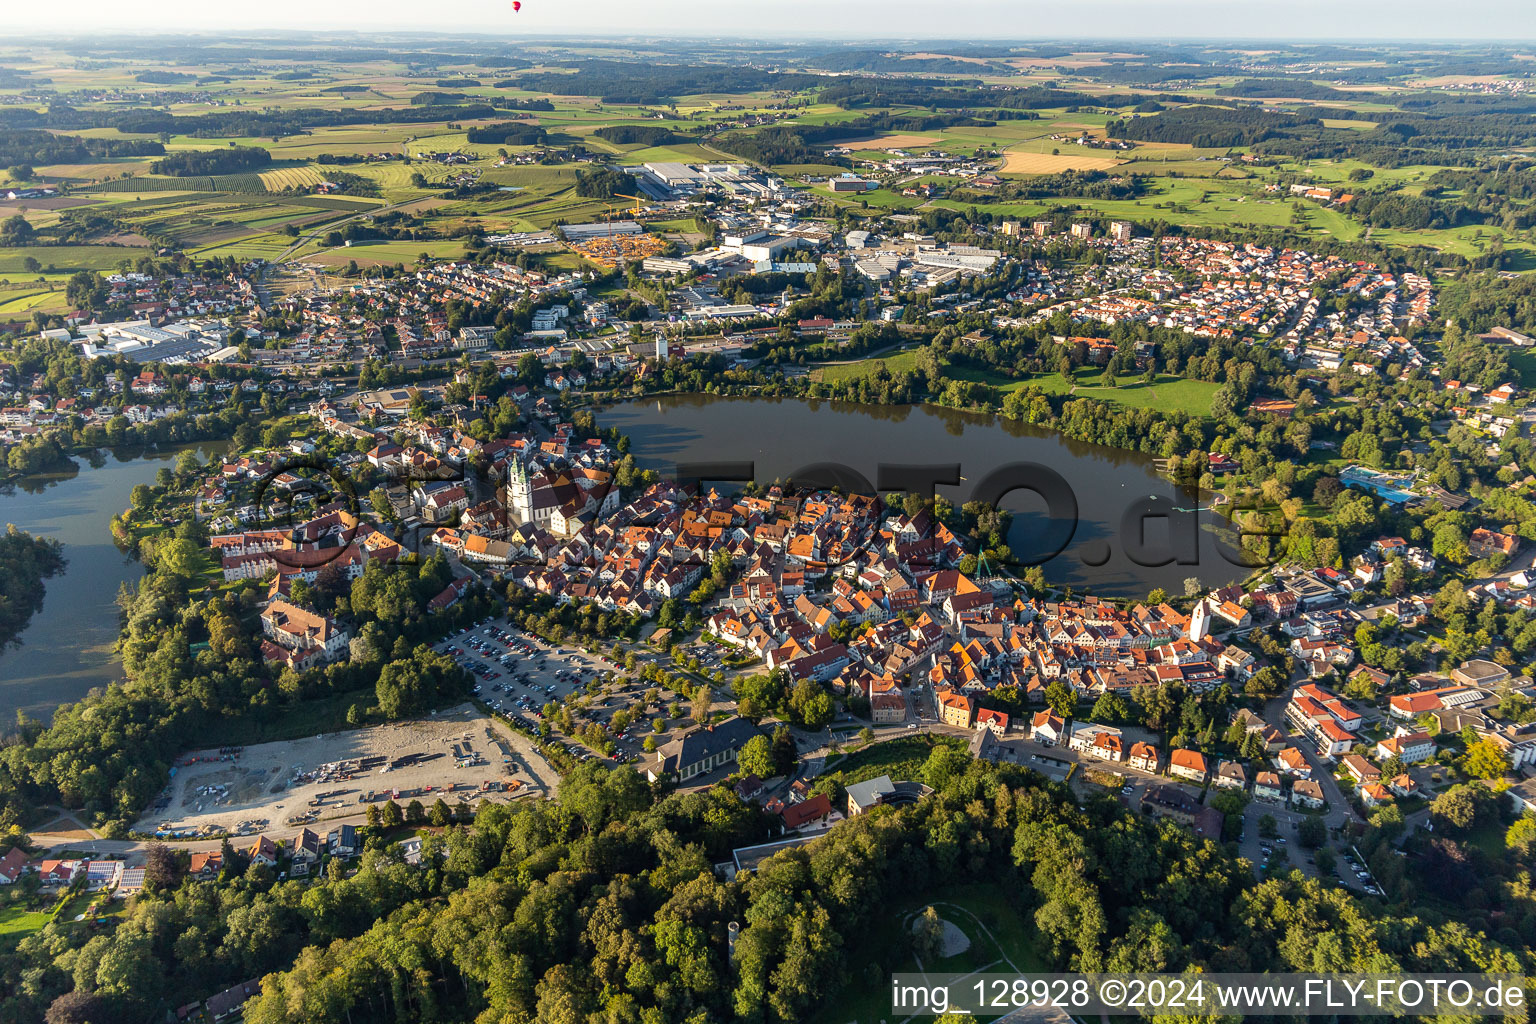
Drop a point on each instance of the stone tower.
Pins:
(519, 500)
(1200, 622)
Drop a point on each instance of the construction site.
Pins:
(460, 755)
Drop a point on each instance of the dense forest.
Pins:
(1438, 136)
(233, 160)
(25, 563)
(602, 183)
(30, 147)
(231, 123)
(164, 77)
(603, 906)
(509, 133)
(109, 754)
(1284, 88)
(1214, 127)
(435, 98)
(784, 145)
(1075, 184)
(637, 134)
(633, 82)
(947, 94)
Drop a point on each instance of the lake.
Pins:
(67, 649)
(787, 437)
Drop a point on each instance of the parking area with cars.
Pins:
(518, 674)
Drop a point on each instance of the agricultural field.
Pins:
(245, 215)
(379, 253)
(891, 142)
(65, 259)
(1017, 162)
(23, 300)
(290, 177)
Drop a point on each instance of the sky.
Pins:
(849, 20)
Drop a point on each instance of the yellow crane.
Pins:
(635, 211)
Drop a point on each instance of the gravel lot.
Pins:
(274, 787)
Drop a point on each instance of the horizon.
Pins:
(1497, 22)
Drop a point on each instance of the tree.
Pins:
(180, 558)
(160, 867)
(409, 686)
(1327, 491)
(928, 935)
(1109, 709)
(1455, 810)
(756, 757)
(703, 700)
(80, 1007)
(1311, 832)
(944, 763)
(810, 706)
(440, 815)
(785, 753)
(1061, 698)
(15, 231)
(1485, 760)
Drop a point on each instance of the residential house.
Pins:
(206, 866)
(1231, 775)
(263, 851)
(807, 813)
(1047, 727)
(12, 865)
(1143, 757)
(995, 721)
(1099, 741)
(1308, 793)
(1408, 747)
(1294, 763)
(956, 709)
(1188, 765)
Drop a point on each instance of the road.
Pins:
(331, 225)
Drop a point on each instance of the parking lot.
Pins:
(1285, 852)
(517, 674)
(281, 786)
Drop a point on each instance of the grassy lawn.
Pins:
(1523, 362)
(1002, 941)
(1489, 838)
(1168, 394)
(16, 924)
(896, 362)
(902, 758)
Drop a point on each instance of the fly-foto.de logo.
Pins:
(1152, 530)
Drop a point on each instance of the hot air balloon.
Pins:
(517, 5)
